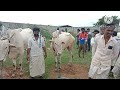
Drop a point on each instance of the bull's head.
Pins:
(57, 46)
(4, 47)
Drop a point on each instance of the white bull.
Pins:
(13, 47)
(58, 44)
(26, 34)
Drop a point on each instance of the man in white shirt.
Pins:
(105, 50)
(93, 39)
(115, 67)
(35, 56)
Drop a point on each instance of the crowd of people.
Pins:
(104, 45)
(105, 51)
(84, 40)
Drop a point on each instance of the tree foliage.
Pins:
(116, 21)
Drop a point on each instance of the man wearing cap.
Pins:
(106, 50)
(35, 56)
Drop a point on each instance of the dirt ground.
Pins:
(7, 73)
(75, 71)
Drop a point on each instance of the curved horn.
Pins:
(11, 36)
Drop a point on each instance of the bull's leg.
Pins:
(59, 62)
(21, 54)
(14, 64)
(20, 62)
(71, 57)
(59, 66)
(55, 61)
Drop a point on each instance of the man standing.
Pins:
(89, 39)
(82, 37)
(77, 38)
(93, 40)
(101, 31)
(106, 50)
(35, 56)
(114, 34)
(115, 67)
(86, 41)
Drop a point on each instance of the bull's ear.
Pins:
(63, 42)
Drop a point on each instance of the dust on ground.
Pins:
(8, 73)
(76, 71)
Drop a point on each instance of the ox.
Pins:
(26, 34)
(17, 49)
(14, 44)
(59, 43)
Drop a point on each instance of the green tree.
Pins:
(116, 21)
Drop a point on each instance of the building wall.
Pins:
(51, 29)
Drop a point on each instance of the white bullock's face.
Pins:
(3, 49)
(58, 47)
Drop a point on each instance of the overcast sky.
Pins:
(56, 18)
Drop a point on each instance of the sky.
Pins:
(56, 18)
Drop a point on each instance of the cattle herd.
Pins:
(14, 43)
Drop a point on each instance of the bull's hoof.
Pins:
(56, 70)
(18, 67)
(21, 70)
(7, 75)
(21, 74)
(14, 69)
(13, 75)
(70, 64)
(79, 56)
